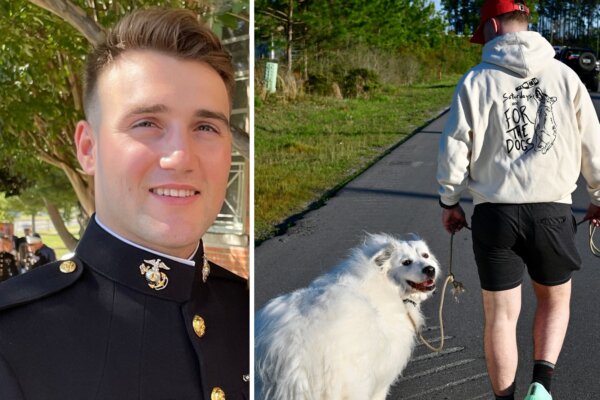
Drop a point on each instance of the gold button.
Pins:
(217, 394)
(67, 267)
(199, 327)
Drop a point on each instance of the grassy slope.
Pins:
(304, 148)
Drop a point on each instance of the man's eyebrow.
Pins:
(161, 108)
(152, 109)
(203, 113)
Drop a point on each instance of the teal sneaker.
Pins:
(537, 392)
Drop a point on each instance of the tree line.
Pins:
(562, 22)
(335, 41)
(316, 40)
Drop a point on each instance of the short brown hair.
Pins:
(175, 32)
(516, 16)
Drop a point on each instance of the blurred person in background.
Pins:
(8, 262)
(21, 247)
(38, 253)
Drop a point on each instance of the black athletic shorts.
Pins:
(508, 237)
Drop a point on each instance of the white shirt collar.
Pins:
(190, 261)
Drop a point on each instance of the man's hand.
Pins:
(454, 219)
(593, 215)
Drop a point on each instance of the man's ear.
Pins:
(495, 25)
(85, 140)
(491, 29)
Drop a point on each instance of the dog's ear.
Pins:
(382, 256)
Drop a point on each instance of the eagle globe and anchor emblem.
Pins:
(155, 278)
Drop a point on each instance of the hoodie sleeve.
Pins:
(589, 128)
(455, 149)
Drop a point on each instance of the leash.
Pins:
(457, 290)
(591, 232)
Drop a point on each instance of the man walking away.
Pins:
(521, 129)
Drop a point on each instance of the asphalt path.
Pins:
(398, 195)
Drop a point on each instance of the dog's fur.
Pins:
(348, 335)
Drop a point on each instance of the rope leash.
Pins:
(457, 290)
(591, 232)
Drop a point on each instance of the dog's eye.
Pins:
(406, 262)
(425, 255)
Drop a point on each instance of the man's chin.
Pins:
(171, 234)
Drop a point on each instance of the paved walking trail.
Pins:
(399, 195)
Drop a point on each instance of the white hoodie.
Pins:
(521, 128)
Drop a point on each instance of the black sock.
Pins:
(542, 373)
(507, 397)
(510, 396)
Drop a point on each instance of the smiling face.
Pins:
(409, 264)
(159, 147)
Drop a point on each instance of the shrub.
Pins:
(359, 82)
(319, 83)
(357, 69)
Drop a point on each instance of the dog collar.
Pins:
(409, 301)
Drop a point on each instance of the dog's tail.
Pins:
(280, 351)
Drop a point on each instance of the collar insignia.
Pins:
(205, 269)
(155, 278)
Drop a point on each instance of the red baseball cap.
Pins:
(491, 9)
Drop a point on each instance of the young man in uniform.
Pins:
(21, 247)
(139, 313)
(8, 262)
(38, 253)
(520, 130)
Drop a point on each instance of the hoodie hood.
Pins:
(525, 53)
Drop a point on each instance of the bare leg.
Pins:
(551, 320)
(501, 310)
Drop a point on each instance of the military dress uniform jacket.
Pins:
(93, 328)
(8, 266)
(45, 255)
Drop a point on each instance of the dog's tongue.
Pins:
(425, 284)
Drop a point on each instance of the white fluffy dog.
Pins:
(349, 334)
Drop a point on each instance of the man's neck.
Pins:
(511, 27)
(188, 261)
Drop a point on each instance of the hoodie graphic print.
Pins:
(530, 126)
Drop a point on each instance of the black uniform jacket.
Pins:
(93, 328)
(8, 266)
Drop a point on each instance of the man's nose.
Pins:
(176, 159)
(177, 152)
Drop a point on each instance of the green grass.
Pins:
(307, 147)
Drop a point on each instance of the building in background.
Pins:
(227, 241)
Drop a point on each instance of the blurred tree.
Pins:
(7, 213)
(462, 15)
(278, 23)
(567, 22)
(317, 27)
(11, 183)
